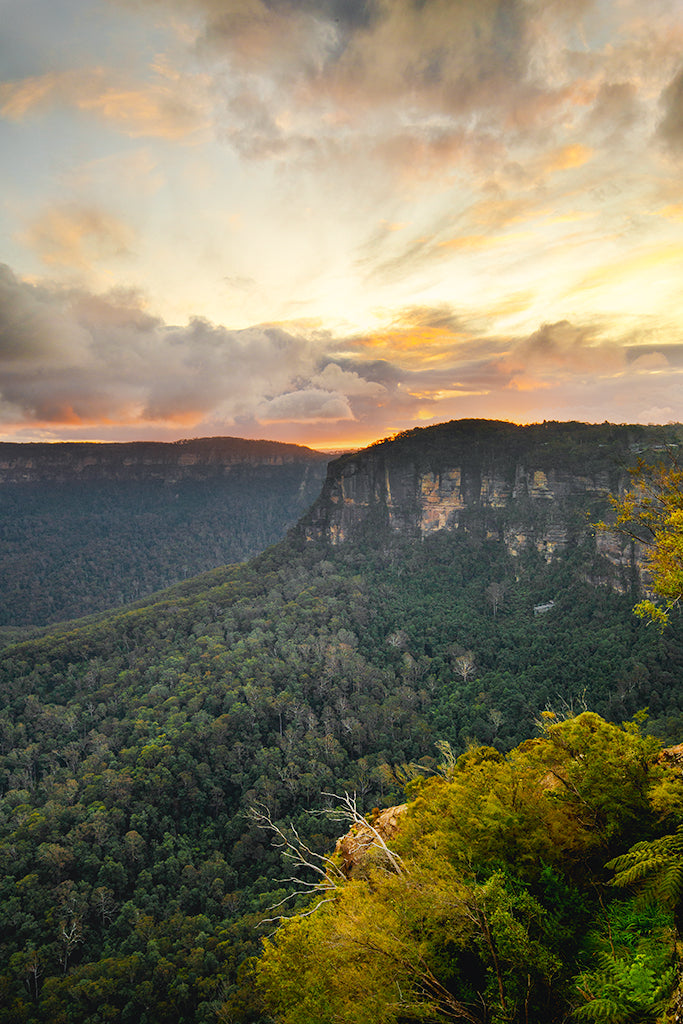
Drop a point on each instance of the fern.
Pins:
(623, 991)
(601, 1009)
(658, 863)
(630, 962)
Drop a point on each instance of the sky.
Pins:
(326, 221)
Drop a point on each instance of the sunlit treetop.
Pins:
(651, 513)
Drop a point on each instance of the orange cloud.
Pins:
(164, 108)
(157, 112)
(419, 346)
(76, 236)
(18, 98)
(469, 242)
(672, 212)
(518, 302)
(567, 157)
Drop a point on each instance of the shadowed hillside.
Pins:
(85, 527)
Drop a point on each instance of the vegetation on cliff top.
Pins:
(499, 903)
(651, 514)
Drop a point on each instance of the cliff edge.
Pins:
(540, 485)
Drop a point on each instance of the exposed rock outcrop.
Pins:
(362, 844)
(531, 487)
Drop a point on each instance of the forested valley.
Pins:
(154, 760)
(85, 527)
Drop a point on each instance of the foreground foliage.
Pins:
(503, 910)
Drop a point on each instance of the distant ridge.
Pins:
(131, 460)
(86, 526)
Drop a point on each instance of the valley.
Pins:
(85, 527)
(383, 642)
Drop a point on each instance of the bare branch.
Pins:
(330, 875)
(348, 812)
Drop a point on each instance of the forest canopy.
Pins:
(501, 903)
(134, 745)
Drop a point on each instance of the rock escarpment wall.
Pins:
(194, 459)
(539, 486)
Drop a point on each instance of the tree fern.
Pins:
(658, 865)
(624, 991)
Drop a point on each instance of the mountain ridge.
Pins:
(529, 486)
(61, 461)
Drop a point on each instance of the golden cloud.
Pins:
(418, 346)
(636, 264)
(77, 236)
(567, 157)
(166, 107)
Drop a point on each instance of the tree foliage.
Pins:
(501, 897)
(651, 514)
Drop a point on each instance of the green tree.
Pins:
(501, 877)
(651, 514)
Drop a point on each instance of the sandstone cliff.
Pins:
(538, 486)
(145, 460)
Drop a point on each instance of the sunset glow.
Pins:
(326, 221)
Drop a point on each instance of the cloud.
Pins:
(33, 327)
(307, 405)
(636, 269)
(74, 235)
(169, 106)
(568, 356)
(351, 384)
(421, 86)
(615, 108)
(559, 344)
(65, 353)
(671, 125)
(68, 356)
(77, 363)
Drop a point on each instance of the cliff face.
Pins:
(144, 460)
(537, 486)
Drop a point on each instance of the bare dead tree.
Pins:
(328, 875)
(561, 711)
(495, 594)
(464, 665)
(347, 811)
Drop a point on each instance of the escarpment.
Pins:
(539, 486)
(195, 459)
